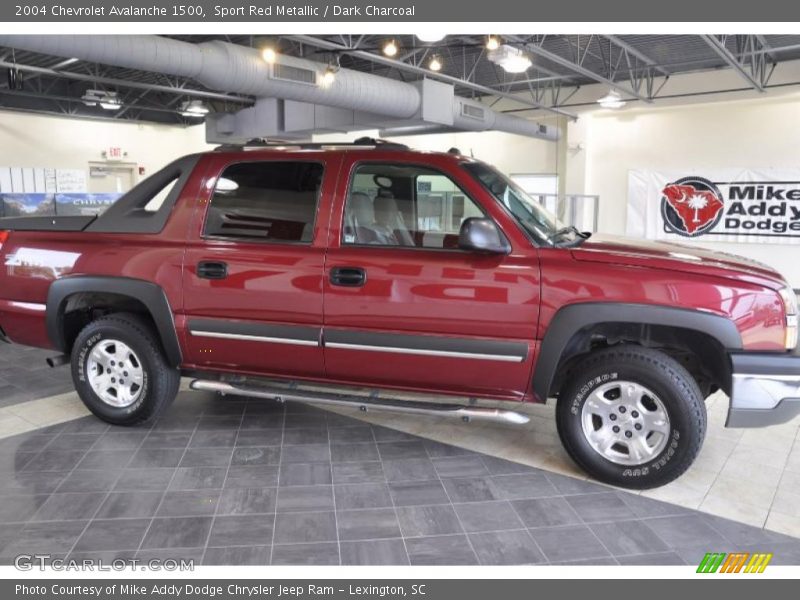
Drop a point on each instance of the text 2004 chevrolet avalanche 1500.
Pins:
(373, 266)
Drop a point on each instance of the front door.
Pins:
(254, 266)
(404, 306)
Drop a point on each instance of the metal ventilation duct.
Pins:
(234, 68)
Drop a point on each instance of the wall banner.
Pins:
(715, 205)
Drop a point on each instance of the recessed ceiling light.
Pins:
(390, 48)
(511, 59)
(611, 100)
(435, 64)
(430, 37)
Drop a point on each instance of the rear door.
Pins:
(254, 265)
(404, 306)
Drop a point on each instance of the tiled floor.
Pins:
(237, 482)
(24, 375)
(749, 475)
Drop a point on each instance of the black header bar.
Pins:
(260, 12)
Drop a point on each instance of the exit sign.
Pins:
(114, 153)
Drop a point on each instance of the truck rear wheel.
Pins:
(119, 370)
(631, 417)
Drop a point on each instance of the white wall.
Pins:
(28, 140)
(761, 133)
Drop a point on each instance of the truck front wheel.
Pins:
(120, 372)
(631, 417)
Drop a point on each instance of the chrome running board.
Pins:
(364, 404)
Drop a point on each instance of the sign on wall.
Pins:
(37, 180)
(64, 205)
(717, 205)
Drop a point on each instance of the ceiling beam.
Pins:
(125, 106)
(581, 70)
(765, 46)
(722, 51)
(390, 62)
(128, 84)
(616, 40)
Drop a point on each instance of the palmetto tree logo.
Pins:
(691, 206)
(697, 203)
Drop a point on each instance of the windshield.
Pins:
(534, 218)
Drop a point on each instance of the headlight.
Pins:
(790, 304)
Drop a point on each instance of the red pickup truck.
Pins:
(372, 272)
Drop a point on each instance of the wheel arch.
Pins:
(573, 327)
(117, 294)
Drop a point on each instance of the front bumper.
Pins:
(766, 389)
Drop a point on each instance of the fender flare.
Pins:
(570, 319)
(149, 294)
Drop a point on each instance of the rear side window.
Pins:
(271, 201)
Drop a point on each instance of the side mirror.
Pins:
(482, 235)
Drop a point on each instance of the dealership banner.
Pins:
(715, 205)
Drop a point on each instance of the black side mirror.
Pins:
(482, 235)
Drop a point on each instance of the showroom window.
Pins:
(269, 201)
(405, 205)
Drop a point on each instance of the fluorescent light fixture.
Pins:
(511, 59)
(435, 64)
(269, 55)
(103, 99)
(611, 100)
(194, 109)
(390, 48)
(492, 43)
(430, 37)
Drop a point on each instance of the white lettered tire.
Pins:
(119, 370)
(631, 417)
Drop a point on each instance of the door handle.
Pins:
(348, 276)
(212, 270)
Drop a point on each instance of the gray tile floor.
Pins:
(24, 375)
(229, 481)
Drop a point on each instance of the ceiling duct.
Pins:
(233, 68)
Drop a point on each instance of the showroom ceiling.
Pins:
(636, 66)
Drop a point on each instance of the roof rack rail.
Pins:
(360, 142)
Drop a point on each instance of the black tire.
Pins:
(669, 381)
(160, 382)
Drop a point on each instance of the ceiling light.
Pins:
(435, 64)
(492, 43)
(511, 59)
(103, 99)
(329, 76)
(430, 37)
(390, 48)
(269, 55)
(611, 100)
(194, 109)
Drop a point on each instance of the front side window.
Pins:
(271, 201)
(405, 205)
(534, 218)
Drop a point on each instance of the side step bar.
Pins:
(465, 413)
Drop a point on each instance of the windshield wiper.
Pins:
(566, 230)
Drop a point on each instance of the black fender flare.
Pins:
(570, 319)
(149, 294)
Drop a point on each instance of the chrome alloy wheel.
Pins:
(115, 373)
(625, 422)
